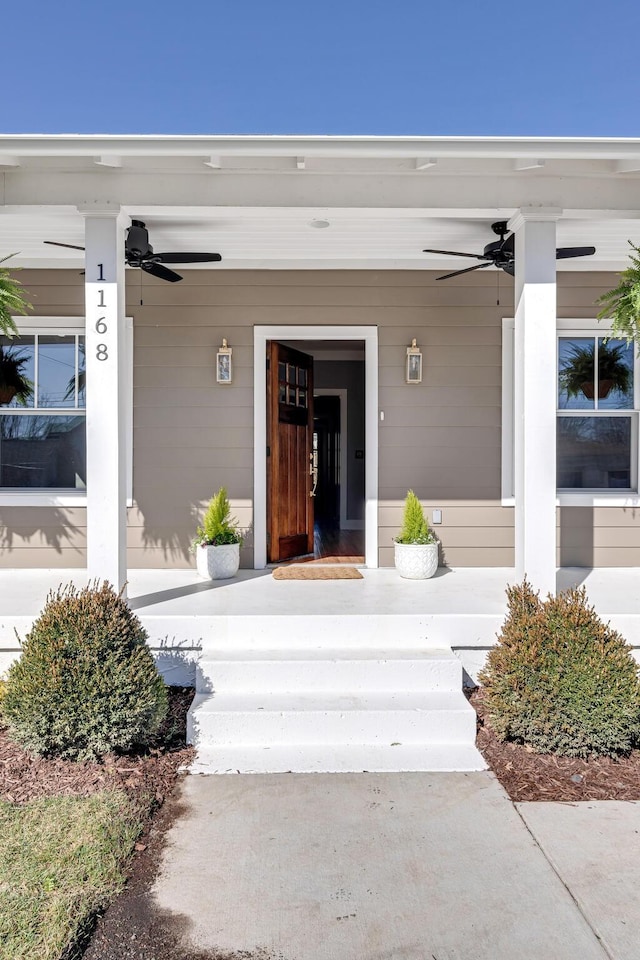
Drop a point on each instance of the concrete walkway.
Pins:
(399, 867)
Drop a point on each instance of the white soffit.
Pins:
(254, 199)
(274, 241)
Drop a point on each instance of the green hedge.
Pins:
(561, 680)
(86, 683)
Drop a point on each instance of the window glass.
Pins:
(82, 393)
(576, 373)
(585, 383)
(594, 452)
(56, 371)
(17, 371)
(42, 450)
(615, 374)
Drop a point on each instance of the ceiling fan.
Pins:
(138, 252)
(501, 253)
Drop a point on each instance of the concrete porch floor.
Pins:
(462, 608)
(463, 590)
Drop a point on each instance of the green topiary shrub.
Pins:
(218, 526)
(560, 679)
(415, 528)
(86, 683)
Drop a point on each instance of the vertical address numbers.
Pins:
(102, 352)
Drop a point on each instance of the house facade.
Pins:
(322, 252)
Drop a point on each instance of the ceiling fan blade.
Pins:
(454, 253)
(157, 270)
(71, 246)
(187, 257)
(510, 268)
(564, 253)
(457, 273)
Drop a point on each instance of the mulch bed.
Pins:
(149, 773)
(527, 775)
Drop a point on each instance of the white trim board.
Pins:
(261, 335)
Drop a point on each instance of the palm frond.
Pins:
(12, 300)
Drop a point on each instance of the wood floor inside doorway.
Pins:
(333, 542)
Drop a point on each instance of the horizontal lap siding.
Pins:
(191, 435)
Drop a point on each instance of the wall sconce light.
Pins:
(224, 363)
(414, 363)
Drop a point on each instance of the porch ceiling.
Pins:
(257, 200)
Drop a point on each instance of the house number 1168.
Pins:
(102, 352)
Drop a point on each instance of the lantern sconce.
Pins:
(414, 363)
(224, 363)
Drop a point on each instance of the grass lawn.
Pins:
(61, 859)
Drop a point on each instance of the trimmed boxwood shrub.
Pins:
(86, 683)
(560, 679)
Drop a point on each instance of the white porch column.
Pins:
(106, 433)
(535, 396)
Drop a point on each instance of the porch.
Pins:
(346, 676)
(461, 608)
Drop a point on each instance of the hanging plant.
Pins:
(622, 304)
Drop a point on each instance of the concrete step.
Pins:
(303, 719)
(329, 670)
(340, 758)
(273, 629)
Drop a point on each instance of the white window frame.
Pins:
(67, 496)
(565, 498)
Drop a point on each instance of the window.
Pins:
(43, 413)
(596, 423)
(42, 418)
(597, 416)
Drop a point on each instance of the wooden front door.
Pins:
(290, 458)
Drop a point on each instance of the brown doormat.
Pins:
(307, 572)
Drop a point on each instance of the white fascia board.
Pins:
(613, 148)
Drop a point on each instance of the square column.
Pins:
(535, 396)
(105, 365)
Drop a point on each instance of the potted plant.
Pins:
(217, 541)
(416, 547)
(578, 371)
(622, 303)
(12, 300)
(13, 383)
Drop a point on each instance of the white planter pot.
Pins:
(416, 561)
(218, 563)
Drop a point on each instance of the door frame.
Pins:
(261, 334)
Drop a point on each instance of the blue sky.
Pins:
(452, 67)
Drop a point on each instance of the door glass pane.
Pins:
(302, 377)
(302, 398)
(56, 371)
(17, 371)
(576, 373)
(42, 451)
(594, 452)
(615, 374)
(282, 371)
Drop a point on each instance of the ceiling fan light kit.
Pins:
(501, 253)
(139, 253)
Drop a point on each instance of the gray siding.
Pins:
(442, 437)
